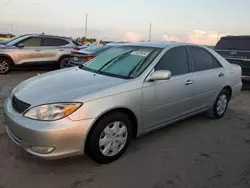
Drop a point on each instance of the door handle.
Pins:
(189, 82)
(38, 50)
(221, 74)
(61, 50)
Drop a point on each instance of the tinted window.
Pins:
(175, 60)
(54, 42)
(233, 44)
(31, 42)
(203, 60)
(97, 49)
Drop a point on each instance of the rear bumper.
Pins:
(236, 90)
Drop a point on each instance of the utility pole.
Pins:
(12, 29)
(150, 30)
(86, 28)
(218, 37)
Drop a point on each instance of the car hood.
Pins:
(67, 85)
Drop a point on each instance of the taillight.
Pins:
(76, 49)
(87, 57)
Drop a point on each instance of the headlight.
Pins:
(52, 112)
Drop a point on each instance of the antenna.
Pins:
(150, 30)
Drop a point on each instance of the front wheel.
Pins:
(5, 65)
(109, 138)
(220, 105)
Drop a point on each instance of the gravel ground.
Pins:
(196, 153)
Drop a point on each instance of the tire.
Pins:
(5, 65)
(106, 143)
(223, 98)
(64, 62)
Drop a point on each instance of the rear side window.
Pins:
(54, 42)
(233, 44)
(31, 42)
(175, 60)
(202, 59)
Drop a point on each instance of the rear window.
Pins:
(96, 49)
(233, 44)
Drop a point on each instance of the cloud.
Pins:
(131, 37)
(204, 37)
(171, 38)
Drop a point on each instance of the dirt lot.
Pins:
(196, 153)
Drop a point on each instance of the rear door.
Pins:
(53, 49)
(30, 54)
(208, 77)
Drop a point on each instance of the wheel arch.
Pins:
(123, 110)
(229, 89)
(8, 57)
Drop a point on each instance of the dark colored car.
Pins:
(236, 50)
(83, 56)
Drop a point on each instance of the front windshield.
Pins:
(131, 65)
(16, 40)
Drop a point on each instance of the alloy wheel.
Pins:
(4, 66)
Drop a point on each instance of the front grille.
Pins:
(19, 105)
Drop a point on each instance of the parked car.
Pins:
(35, 51)
(127, 91)
(236, 50)
(82, 56)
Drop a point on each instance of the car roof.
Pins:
(236, 37)
(162, 44)
(49, 36)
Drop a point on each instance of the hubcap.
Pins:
(113, 138)
(65, 63)
(4, 67)
(222, 104)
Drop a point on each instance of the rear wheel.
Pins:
(5, 65)
(220, 105)
(64, 62)
(109, 138)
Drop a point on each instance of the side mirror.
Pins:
(20, 45)
(159, 75)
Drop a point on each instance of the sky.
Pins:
(196, 21)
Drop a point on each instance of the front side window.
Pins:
(174, 60)
(123, 61)
(31, 42)
(202, 59)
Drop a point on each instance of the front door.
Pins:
(30, 53)
(167, 100)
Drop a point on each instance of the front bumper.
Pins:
(66, 136)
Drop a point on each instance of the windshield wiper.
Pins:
(139, 65)
(115, 60)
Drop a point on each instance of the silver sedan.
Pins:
(124, 92)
